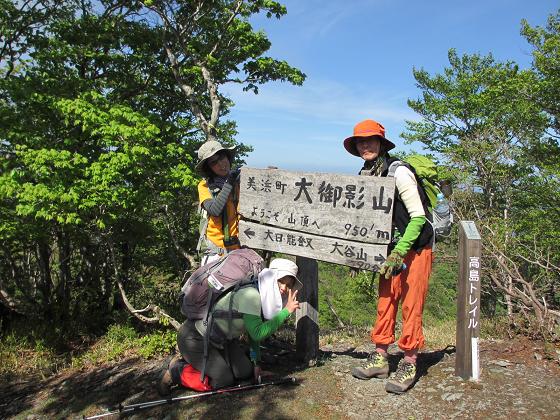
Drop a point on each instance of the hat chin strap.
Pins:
(373, 167)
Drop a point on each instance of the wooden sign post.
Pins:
(468, 302)
(343, 219)
(307, 323)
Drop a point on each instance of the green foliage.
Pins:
(157, 286)
(156, 344)
(24, 354)
(34, 351)
(546, 63)
(120, 334)
(99, 127)
(215, 44)
(366, 284)
(354, 299)
(344, 295)
(119, 341)
(472, 95)
(441, 302)
(491, 124)
(543, 185)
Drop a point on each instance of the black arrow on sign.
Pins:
(379, 258)
(248, 232)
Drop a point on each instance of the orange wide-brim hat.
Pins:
(367, 128)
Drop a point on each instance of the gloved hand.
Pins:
(233, 176)
(393, 262)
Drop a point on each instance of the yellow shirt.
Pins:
(214, 231)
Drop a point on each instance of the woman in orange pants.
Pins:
(404, 275)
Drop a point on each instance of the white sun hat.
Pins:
(284, 267)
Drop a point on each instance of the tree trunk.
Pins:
(509, 304)
(45, 280)
(65, 284)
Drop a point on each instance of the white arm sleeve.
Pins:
(408, 191)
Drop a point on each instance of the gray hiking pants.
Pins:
(220, 372)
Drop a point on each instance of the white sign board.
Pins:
(349, 207)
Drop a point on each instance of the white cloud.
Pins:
(322, 101)
(302, 128)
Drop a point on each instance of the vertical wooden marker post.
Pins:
(307, 322)
(468, 302)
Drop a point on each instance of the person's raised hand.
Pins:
(233, 176)
(292, 303)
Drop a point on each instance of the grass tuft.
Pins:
(118, 342)
(24, 355)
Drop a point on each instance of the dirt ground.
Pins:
(519, 379)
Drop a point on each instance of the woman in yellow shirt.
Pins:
(218, 194)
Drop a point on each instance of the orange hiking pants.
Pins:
(409, 287)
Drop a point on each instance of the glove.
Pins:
(233, 176)
(393, 262)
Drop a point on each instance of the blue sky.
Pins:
(358, 56)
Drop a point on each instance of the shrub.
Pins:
(157, 343)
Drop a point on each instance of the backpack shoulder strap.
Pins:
(202, 227)
(393, 165)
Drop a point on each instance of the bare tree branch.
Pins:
(159, 313)
(329, 304)
(11, 303)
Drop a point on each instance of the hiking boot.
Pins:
(377, 367)
(166, 381)
(402, 379)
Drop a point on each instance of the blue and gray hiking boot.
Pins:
(376, 367)
(402, 379)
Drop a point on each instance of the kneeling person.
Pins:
(263, 310)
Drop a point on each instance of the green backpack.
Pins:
(426, 170)
(427, 173)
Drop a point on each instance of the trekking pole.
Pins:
(122, 409)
